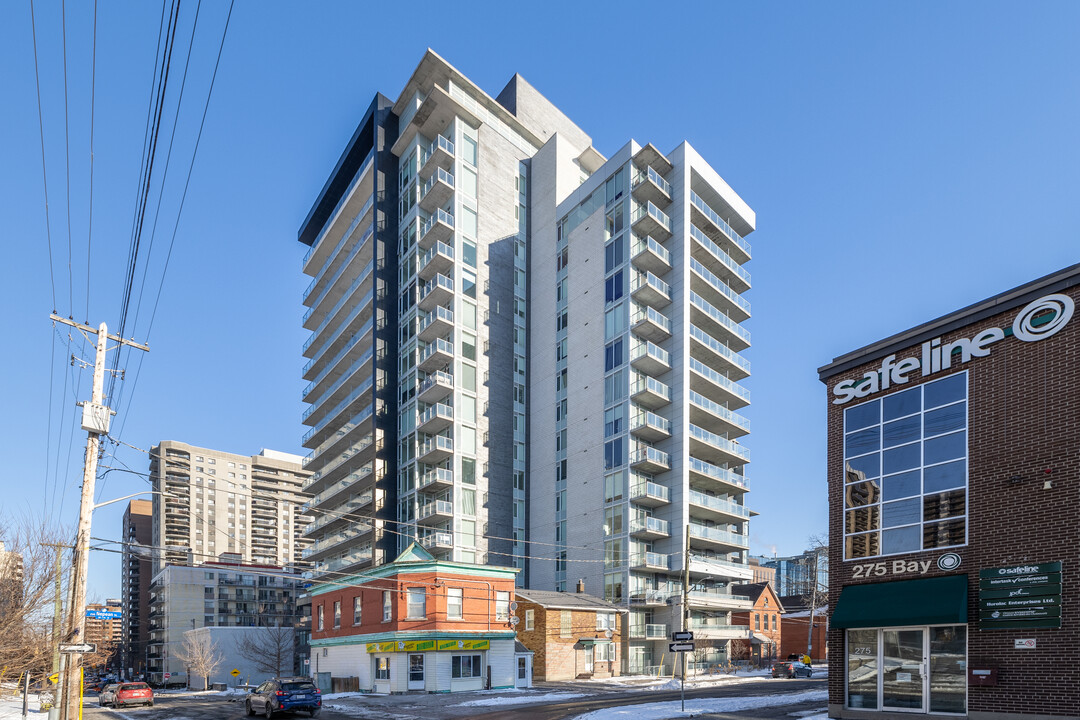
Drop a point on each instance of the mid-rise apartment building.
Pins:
(800, 574)
(517, 340)
(105, 630)
(136, 569)
(209, 503)
(225, 594)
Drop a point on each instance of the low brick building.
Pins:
(954, 493)
(765, 623)
(571, 635)
(417, 624)
(796, 624)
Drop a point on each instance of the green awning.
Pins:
(929, 601)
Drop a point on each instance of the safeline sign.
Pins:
(1038, 320)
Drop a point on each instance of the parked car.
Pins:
(287, 693)
(93, 685)
(107, 695)
(133, 693)
(788, 669)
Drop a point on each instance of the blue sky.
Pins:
(904, 160)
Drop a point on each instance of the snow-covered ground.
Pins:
(11, 706)
(672, 709)
(522, 698)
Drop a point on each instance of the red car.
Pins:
(135, 693)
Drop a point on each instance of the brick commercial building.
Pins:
(954, 495)
(796, 623)
(572, 635)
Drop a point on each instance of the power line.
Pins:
(93, 101)
(44, 172)
(67, 155)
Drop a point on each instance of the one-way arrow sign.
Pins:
(681, 647)
(682, 636)
(78, 648)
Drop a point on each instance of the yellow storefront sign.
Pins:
(427, 645)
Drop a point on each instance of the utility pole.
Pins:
(813, 602)
(95, 421)
(685, 610)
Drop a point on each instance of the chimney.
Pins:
(581, 585)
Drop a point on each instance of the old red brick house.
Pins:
(571, 635)
(764, 620)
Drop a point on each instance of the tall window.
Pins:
(502, 606)
(387, 605)
(356, 610)
(417, 602)
(321, 623)
(905, 468)
(337, 614)
(565, 628)
(382, 668)
(530, 619)
(454, 604)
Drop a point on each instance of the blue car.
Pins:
(289, 693)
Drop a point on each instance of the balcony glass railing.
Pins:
(341, 201)
(439, 313)
(650, 524)
(718, 379)
(718, 252)
(326, 542)
(438, 539)
(441, 176)
(357, 336)
(439, 143)
(719, 317)
(719, 410)
(650, 174)
(642, 313)
(650, 559)
(719, 285)
(436, 507)
(709, 470)
(439, 281)
(719, 442)
(644, 418)
(642, 348)
(341, 266)
(703, 206)
(439, 346)
(348, 481)
(647, 453)
(650, 489)
(439, 442)
(353, 557)
(718, 535)
(647, 278)
(356, 419)
(337, 513)
(719, 348)
(439, 216)
(439, 248)
(714, 503)
(329, 338)
(711, 560)
(436, 411)
(356, 364)
(444, 476)
(355, 393)
(436, 378)
(644, 383)
(647, 243)
(654, 212)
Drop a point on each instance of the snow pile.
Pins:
(665, 710)
(522, 699)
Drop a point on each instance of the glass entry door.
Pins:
(903, 669)
(416, 672)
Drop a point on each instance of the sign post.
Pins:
(683, 642)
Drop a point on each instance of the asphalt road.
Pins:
(437, 707)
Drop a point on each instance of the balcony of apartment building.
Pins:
(649, 392)
(435, 449)
(649, 459)
(717, 539)
(649, 358)
(646, 493)
(716, 508)
(436, 324)
(648, 219)
(437, 386)
(438, 260)
(648, 255)
(337, 542)
(647, 527)
(648, 597)
(709, 629)
(342, 400)
(648, 289)
(649, 561)
(717, 228)
(716, 386)
(435, 479)
(709, 564)
(436, 355)
(715, 449)
(716, 291)
(715, 599)
(342, 452)
(649, 323)
(710, 414)
(327, 367)
(439, 290)
(435, 418)
(346, 561)
(647, 185)
(438, 155)
(436, 540)
(435, 229)
(437, 190)
(337, 515)
(649, 426)
(350, 269)
(434, 512)
(710, 351)
(649, 631)
(716, 323)
(348, 318)
(330, 389)
(353, 210)
(431, 119)
(712, 256)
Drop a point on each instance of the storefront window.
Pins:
(948, 669)
(886, 669)
(862, 671)
(382, 668)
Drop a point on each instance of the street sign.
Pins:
(682, 636)
(104, 614)
(515, 620)
(167, 675)
(681, 647)
(78, 648)
(234, 672)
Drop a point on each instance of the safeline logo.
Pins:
(1037, 320)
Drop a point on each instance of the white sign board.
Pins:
(1024, 644)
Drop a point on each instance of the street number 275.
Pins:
(870, 570)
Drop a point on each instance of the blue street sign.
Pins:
(104, 614)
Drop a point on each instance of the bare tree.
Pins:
(200, 654)
(269, 649)
(28, 574)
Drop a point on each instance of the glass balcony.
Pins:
(440, 154)
(717, 355)
(649, 255)
(435, 449)
(713, 448)
(361, 247)
(717, 387)
(437, 191)
(730, 511)
(439, 259)
(436, 540)
(733, 242)
(316, 248)
(718, 537)
(649, 392)
(436, 324)
(435, 387)
(438, 228)
(714, 257)
(649, 357)
(650, 561)
(351, 397)
(436, 479)
(649, 289)
(649, 494)
(649, 528)
(354, 367)
(703, 471)
(710, 415)
(436, 418)
(716, 323)
(330, 365)
(360, 279)
(648, 186)
(436, 356)
(649, 426)
(648, 219)
(435, 512)
(650, 324)
(438, 291)
(719, 631)
(650, 459)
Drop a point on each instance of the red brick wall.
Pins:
(794, 638)
(1024, 422)
(765, 607)
(555, 657)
